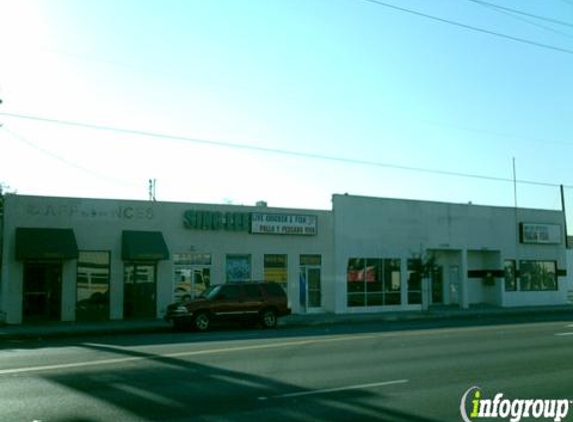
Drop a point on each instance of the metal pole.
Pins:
(564, 215)
(514, 185)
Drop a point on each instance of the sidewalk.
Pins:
(438, 313)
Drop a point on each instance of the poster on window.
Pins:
(238, 268)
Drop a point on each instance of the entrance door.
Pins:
(42, 291)
(139, 290)
(454, 285)
(437, 285)
(310, 290)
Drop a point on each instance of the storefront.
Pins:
(71, 259)
(395, 254)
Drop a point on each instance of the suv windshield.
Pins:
(211, 292)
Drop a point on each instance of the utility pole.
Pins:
(514, 185)
(564, 216)
(152, 189)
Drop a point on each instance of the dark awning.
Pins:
(140, 245)
(42, 243)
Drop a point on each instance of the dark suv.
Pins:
(231, 302)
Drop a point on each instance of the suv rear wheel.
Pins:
(268, 318)
(202, 321)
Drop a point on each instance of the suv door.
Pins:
(254, 300)
(227, 305)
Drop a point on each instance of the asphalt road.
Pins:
(405, 373)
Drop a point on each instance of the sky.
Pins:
(288, 101)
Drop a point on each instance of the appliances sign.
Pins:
(289, 224)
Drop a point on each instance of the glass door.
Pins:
(313, 287)
(310, 289)
(139, 290)
(42, 291)
(437, 282)
(454, 285)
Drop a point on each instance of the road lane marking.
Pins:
(564, 334)
(294, 343)
(183, 354)
(148, 395)
(334, 390)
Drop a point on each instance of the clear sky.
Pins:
(383, 92)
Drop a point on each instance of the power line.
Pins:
(514, 16)
(520, 12)
(62, 159)
(275, 150)
(472, 28)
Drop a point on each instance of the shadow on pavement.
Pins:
(162, 388)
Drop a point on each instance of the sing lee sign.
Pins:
(256, 223)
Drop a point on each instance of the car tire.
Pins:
(268, 318)
(202, 321)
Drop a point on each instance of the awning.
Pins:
(42, 243)
(142, 245)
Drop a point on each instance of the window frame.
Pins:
(371, 282)
(537, 284)
(510, 279)
(105, 305)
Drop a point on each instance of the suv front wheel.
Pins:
(269, 318)
(202, 321)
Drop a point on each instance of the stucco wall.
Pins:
(394, 228)
(98, 225)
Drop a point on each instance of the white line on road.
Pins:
(334, 390)
(184, 354)
(564, 334)
(293, 343)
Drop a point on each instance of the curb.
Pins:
(23, 332)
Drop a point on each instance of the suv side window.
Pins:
(253, 291)
(274, 290)
(230, 293)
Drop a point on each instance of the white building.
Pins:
(78, 259)
(475, 254)
(82, 259)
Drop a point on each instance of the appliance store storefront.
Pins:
(71, 259)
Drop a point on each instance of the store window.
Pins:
(275, 269)
(537, 275)
(238, 268)
(191, 274)
(373, 282)
(92, 286)
(392, 281)
(355, 285)
(373, 278)
(509, 275)
(414, 281)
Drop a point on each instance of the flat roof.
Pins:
(343, 195)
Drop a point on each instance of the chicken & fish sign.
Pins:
(285, 224)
